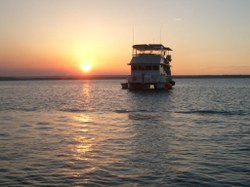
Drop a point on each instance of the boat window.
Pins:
(148, 68)
(155, 67)
(141, 68)
(134, 68)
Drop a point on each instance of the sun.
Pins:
(86, 68)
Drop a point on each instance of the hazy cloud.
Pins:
(178, 19)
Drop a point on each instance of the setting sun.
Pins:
(86, 67)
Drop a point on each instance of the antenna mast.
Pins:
(160, 34)
(133, 32)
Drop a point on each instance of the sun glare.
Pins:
(86, 68)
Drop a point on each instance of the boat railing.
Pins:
(140, 53)
(150, 49)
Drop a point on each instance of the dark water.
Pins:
(93, 133)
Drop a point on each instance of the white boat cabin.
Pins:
(150, 65)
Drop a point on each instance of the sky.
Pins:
(45, 38)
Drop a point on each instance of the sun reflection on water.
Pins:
(83, 138)
(83, 147)
(82, 118)
(84, 142)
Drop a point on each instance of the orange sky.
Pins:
(57, 37)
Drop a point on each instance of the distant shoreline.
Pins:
(106, 77)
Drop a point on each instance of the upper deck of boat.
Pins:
(151, 47)
(143, 49)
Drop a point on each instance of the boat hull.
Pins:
(138, 86)
(124, 85)
(146, 86)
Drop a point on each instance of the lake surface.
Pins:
(93, 133)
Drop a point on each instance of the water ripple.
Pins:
(214, 112)
(93, 133)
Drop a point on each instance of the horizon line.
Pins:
(100, 77)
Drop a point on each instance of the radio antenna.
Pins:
(160, 34)
(133, 33)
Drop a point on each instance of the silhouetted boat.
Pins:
(150, 67)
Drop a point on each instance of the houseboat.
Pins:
(150, 68)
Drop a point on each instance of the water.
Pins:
(93, 133)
